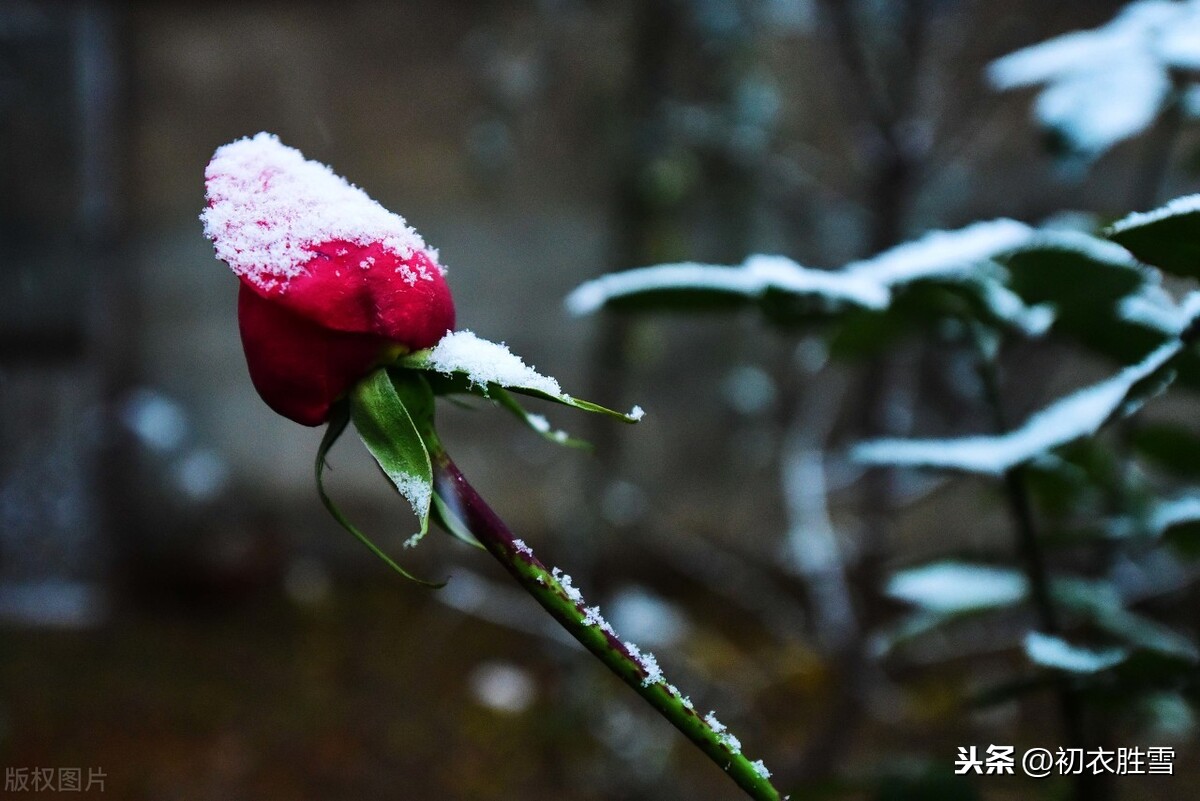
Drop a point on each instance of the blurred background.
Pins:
(177, 609)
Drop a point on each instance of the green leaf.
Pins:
(339, 418)
(536, 422)
(1074, 417)
(1167, 237)
(446, 517)
(383, 410)
(1084, 279)
(1101, 604)
(1170, 446)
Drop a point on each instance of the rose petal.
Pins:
(298, 367)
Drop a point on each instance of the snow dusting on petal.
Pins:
(484, 362)
(268, 207)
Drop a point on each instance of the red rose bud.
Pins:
(332, 282)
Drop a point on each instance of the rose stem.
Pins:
(569, 610)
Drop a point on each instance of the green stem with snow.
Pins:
(553, 590)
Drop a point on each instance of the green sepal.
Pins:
(449, 520)
(384, 407)
(536, 423)
(338, 420)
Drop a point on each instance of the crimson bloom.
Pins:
(332, 283)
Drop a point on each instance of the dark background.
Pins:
(179, 611)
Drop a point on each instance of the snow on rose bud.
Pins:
(332, 283)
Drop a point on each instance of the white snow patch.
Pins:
(1109, 83)
(760, 769)
(1101, 250)
(1168, 513)
(953, 587)
(269, 206)
(485, 362)
(417, 491)
(1055, 652)
(940, 253)
(538, 422)
(522, 547)
(1188, 204)
(752, 279)
(636, 413)
(1078, 415)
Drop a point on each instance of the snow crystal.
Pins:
(636, 413)
(593, 617)
(485, 362)
(269, 207)
(522, 547)
(760, 769)
(754, 277)
(538, 422)
(565, 580)
(940, 253)
(725, 737)
(648, 662)
(953, 587)
(1055, 652)
(1077, 415)
(1188, 204)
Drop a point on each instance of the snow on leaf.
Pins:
(1109, 83)
(1188, 204)
(485, 362)
(1077, 415)
(1153, 307)
(954, 587)
(1095, 110)
(752, 279)
(1167, 514)
(942, 253)
(1055, 652)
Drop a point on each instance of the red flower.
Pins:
(332, 283)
